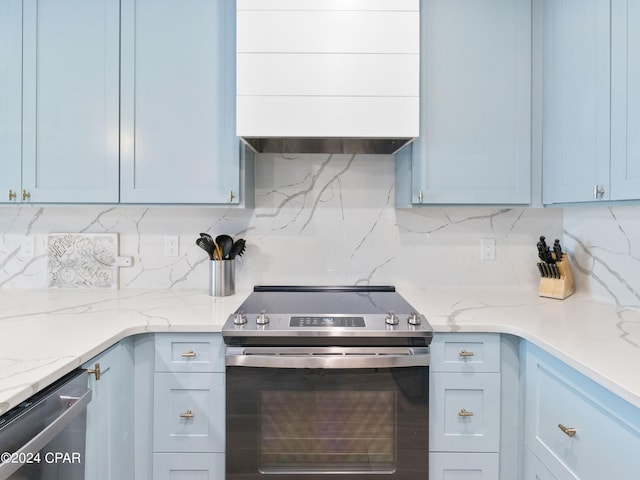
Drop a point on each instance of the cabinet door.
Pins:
(10, 98)
(178, 142)
(625, 100)
(109, 438)
(475, 120)
(576, 100)
(70, 100)
(464, 466)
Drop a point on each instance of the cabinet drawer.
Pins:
(203, 466)
(467, 466)
(188, 352)
(465, 352)
(188, 413)
(576, 427)
(464, 412)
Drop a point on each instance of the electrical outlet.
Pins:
(27, 247)
(171, 245)
(487, 249)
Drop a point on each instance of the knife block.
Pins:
(559, 288)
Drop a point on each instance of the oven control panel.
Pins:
(327, 321)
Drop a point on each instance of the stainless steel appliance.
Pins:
(43, 438)
(327, 382)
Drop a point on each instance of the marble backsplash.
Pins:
(604, 242)
(319, 219)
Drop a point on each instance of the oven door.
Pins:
(326, 413)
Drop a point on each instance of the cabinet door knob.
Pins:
(598, 191)
(420, 196)
(464, 413)
(188, 354)
(464, 353)
(25, 195)
(12, 195)
(569, 432)
(231, 196)
(187, 414)
(95, 371)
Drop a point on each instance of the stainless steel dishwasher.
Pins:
(44, 437)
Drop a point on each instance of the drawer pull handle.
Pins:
(188, 354)
(464, 413)
(95, 371)
(187, 414)
(464, 353)
(569, 432)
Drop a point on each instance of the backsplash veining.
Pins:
(319, 219)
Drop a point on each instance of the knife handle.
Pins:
(540, 269)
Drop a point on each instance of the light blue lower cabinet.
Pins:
(465, 406)
(575, 427)
(467, 466)
(110, 435)
(192, 466)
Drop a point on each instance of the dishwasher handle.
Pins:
(327, 357)
(37, 443)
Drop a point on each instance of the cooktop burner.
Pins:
(326, 315)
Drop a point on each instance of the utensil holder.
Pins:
(222, 278)
(559, 288)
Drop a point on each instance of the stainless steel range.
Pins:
(327, 381)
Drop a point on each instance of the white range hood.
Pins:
(328, 76)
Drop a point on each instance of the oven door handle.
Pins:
(75, 406)
(327, 357)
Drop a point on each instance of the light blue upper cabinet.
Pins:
(625, 99)
(10, 99)
(576, 103)
(70, 97)
(178, 142)
(475, 116)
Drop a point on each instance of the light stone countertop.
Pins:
(47, 333)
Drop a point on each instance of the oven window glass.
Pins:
(328, 431)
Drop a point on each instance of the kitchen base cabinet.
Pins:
(192, 466)
(464, 406)
(110, 436)
(188, 438)
(575, 427)
(467, 466)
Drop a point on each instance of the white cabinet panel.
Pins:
(328, 74)
(70, 100)
(177, 134)
(328, 116)
(297, 31)
(10, 99)
(411, 5)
